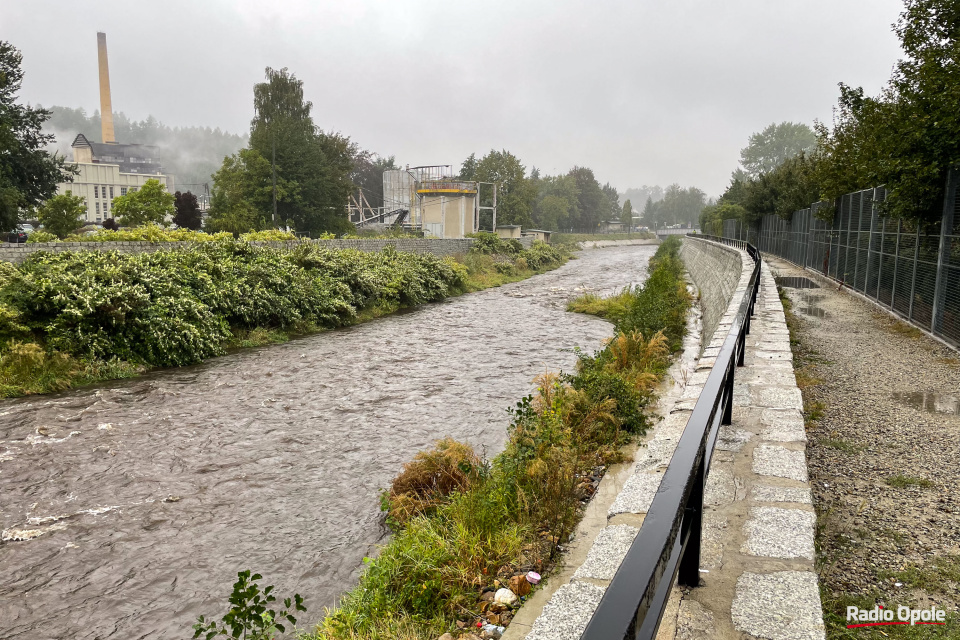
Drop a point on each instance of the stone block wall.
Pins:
(716, 270)
(17, 253)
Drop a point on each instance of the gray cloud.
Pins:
(642, 92)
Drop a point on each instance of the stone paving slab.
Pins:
(780, 462)
(779, 533)
(637, 494)
(607, 552)
(783, 425)
(784, 605)
(777, 397)
(567, 613)
(768, 493)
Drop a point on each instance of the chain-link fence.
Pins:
(913, 271)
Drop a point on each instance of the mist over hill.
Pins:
(190, 154)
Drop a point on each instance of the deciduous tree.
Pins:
(516, 193)
(150, 204)
(28, 173)
(315, 165)
(62, 214)
(187, 214)
(774, 145)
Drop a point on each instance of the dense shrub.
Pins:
(178, 307)
(492, 244)
(147, 233)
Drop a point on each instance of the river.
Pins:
(141, 499)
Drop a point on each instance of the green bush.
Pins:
(491, 243)
(660, 303)
(172, 308)
(147, 233)
(41, 236)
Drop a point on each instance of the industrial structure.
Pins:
(109, 169)
(427, 198)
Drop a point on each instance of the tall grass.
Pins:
(463, 523)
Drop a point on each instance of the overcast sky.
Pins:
(643, 92)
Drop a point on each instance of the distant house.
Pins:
(110, 170)
(538, 234)
(614, 226)
(508, 231)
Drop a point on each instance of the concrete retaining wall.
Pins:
(716, 270)
(17, 253)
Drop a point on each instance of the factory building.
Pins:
(109, 169)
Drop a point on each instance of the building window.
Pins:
(98, 208)
(133, 189)
(106, 207)
(111, 192)
(123, 191)
(96, 191)
(98, 220)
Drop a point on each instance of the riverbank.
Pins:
(270, 458)
(77, 317)
(882, 410)
(467, 527)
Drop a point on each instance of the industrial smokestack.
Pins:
(106, 109)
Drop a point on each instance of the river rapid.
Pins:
(137, 502)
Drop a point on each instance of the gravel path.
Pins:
(868, 384)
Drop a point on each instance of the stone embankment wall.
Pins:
(17, 253)
(716, 270)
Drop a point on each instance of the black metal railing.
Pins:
(668, 544)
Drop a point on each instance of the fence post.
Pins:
(896, 265)
(883, 233)
(913, 280)
(946, 226)
(873, 218)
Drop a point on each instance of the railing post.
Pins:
(688, 572)
(728, 392)
(946, 226)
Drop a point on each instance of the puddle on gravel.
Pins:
(796, 282)
(807, 303)
(930, 402)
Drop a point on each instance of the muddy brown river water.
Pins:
(140, 500)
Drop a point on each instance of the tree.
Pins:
(28, 174)
(516, 193)
(556, 202)
(612, 202)
(649, 215)
(626, 217)
(151, 204)
(468, 170)
(110, 224)
(367, 174)
(771, 147)
(908, 137)
(242, 193)
(315, 166)
(680, 206)
(712, 217)
(63, 214)
(591, 201)
(188, 211)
